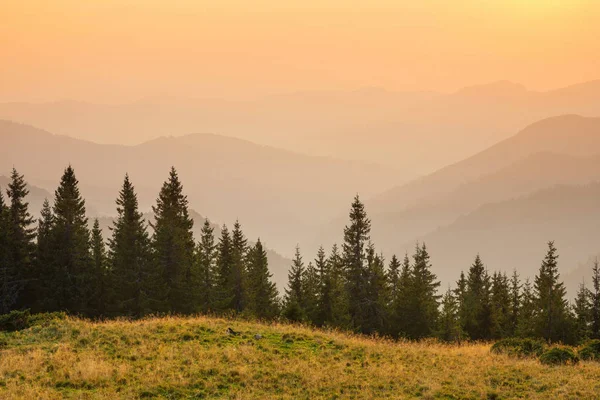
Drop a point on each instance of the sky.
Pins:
(115, 51)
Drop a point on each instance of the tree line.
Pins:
(59, 263)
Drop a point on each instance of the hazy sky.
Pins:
(122, 50)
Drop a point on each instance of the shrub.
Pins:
(590, 351)
(559, 356)
(519, 347)
(14, 321)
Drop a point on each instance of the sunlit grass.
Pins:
(195, 357)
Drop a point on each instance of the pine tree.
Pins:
(44, 255)
(550, 293)
(223, 285)
(515, 304)
(173, 245)
(238, 268)
(378, 294)
(10, 286)
(356, 238)
(449, 327)
(310, 290)
(595, 302)
(460, 294)
(325, 299)
(21, 237)
(99, 301)
(71, 277)
(527, 312)
(401, 308)
(582, 310)
(423, 307)
(206, 268)
(136, 283)
(340, 315)
(500, 297)
(394, 278)
(294, 301)
(262, 292)
(479, 318)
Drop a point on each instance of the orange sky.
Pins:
(122, 50)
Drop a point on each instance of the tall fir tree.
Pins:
(310, 289)
(500, 297)
(595, 302)
(582, 310)
(423, 309)
(44, 256)
(239, 245)
(10, 285)
(223, 297)
(550, 300)
(527, 311)
(378, 294)
(393, 278)
(294, 300)
(21, 235)
(324, 313)
(400, 324)
(100, 277)
(262, 295)
(356, 239)
(449, 321)
(173, 245)
(137, 287)
(460, 294)
(478, 324)
(340, 315)
(206, 258)
(71, 278)
(515, 304)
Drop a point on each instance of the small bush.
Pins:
(519, 347)
(14, 321)
(559, 356)
(590, 351)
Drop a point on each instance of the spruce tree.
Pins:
(21, 235)
(10, 285)
(595, 302)
(500, 297)
(394, 270)
(294, 301)
(310, 290)
(402, 306)
(340, 316)
(582, 310)
(378, 294)
(550, 301)
(100, 300)
(460, 294)
(173, 245)
(449, 323)
(356, 238)
(515, 304)
(262, 294)
(324, 312)
(70, 286)
(527, 312)
(137, 286)
(239, 246)
(423, 309)
(44, 256)
(479, 322)
(223, 286)
(206, 258)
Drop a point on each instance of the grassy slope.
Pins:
(194, 357)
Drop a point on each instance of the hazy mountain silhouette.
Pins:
(418, 132)
(278, 195)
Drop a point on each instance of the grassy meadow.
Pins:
(195, 357)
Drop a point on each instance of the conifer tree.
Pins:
(99, 301)
(173, 245)
(324, 312)
(595, 302)
(137, 285)
(239, 246)
(71, 277)
(223, 289)
(310, 288)
(449, 327)
(206, 265)
(294, 300)
(356, 238)
(479, 318)
(423, 307)
(460, 294)
(44, 255)
(10, 285)
(402, 305)
(550, 301)
(527, 311)
(378, 294)
(515, 304)
(340, 316)
(500, 297)
(394, 270)
(262, 292)
(582, 310)
(21, 237)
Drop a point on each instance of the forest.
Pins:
(62, 262)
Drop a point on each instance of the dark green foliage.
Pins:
(310, 289)
(519, 347)
(70, 279)
(135, 279)
(559, 355)
(515, 304)
(340, 316)
(223, 292)
(501, 307)
(324, 312)
(206, 258)
(43, 259)
(10, 284)
(20, 237)
(449, 323)
(239, 246)
(423, 302)
(99, 300)
(551, 320)
(478, 321)
(262, 293)
(173, 245)
(595, 302)
(378, 294)
(15, 320)
(527, 312)
(401, 306)
(294, 304)
(582, 310)
(590, 351)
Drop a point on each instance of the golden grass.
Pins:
(194, 358)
